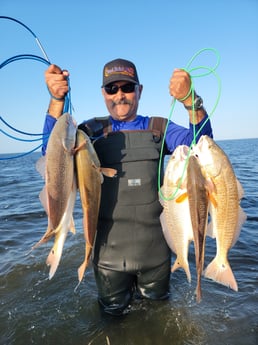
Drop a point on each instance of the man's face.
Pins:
(123, 104)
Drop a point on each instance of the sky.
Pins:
(158, 36)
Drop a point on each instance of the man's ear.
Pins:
(140, 88)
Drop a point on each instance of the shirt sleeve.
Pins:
(178, 135)
(48, 126)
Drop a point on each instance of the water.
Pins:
(35, 310)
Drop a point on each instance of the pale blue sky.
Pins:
(158, 36)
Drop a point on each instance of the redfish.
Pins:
(59, 193)
(227, 216)
(175, 218)
(89, 177)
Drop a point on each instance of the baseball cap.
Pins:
(119, 70)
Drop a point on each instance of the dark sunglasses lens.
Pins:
(127, 88)
(113, 89)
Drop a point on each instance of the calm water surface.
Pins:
(35, 310)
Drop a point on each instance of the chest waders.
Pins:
(129, 237)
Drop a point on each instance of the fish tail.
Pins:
(178, 264)
(85, 263)
(81, 270)
(221, 273)
(55, 254)
(198, 290)
(198, 294)
(44, 239)
(53, 260)
(72, 227)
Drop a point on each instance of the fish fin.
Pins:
(212, 199)
(221, 273)
(198, 293)
(241, 219)
(54, 258)
(240, 190)
(241, 216)
(66, 148)
(109, 172)
(166, 232)
(48, 234)
(72, 227)
(182, 264)
(181, 183)
(101, 172)
(41, 166)
(80, 146)
(161, 196)
(210, 231)
(209, 185)
(41, 241)
(43, 199)
(84, 265)
(182, 197)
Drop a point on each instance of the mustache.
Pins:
(121, 101)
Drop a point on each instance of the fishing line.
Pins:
(41, 135)
(67, 105)
(20, 139)
(33, 34)
(207, 71)
(22, 154)
(17, 130)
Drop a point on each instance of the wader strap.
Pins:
(158, 124)
(99, 126)
(107, 125)
(96, 126)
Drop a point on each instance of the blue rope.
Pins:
(45, 60)
(27, 28)
(22, 154)
(24, 57)
(20, 139)
(17, 130)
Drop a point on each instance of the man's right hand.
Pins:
(57, 82)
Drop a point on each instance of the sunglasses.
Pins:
(113, 89)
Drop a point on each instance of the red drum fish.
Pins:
(59, 193)
(89, 178)
(175, 218)
(227, 216)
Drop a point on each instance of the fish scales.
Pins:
(175, 218)
(59, 192)
(60, 167)
(198, 205)
(61, 232)
(226, 213)
(89, 179)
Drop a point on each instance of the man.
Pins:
(130, 253)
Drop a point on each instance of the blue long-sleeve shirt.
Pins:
(175, 135)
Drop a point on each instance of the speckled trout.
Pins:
(175, 218)
(59, 193)
(227, 216)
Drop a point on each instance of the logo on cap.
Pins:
(129, 71)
